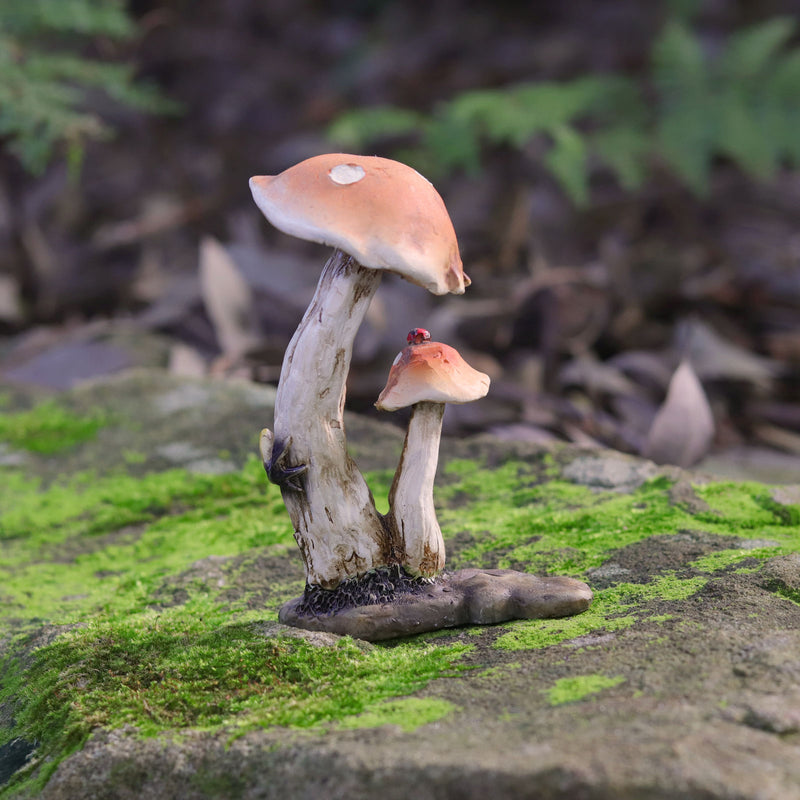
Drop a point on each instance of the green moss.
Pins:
(408, 713)
(98, 550)
(49, 428)
(198, 666)
(789, 514)
(103, 544)
(559, 527)
(746, 507)
(730, 559)
(133, 457)
(578, 687)
(792, 595)
(613, 609)
(380, 481)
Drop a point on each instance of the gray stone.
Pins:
(783, 572)
(775, 713)
(610, 471)
(11, 458)
(787, 495)
(466, 597)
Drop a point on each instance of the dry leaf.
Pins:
(684, 426)
(523, 433)
(779, 438)
(186, 361)
(596, 377)
(10, 301)
(714, 358)
(579, 436)
(66, 365)
(228, 300)
(644, 367)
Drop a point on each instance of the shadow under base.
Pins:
(386, 605)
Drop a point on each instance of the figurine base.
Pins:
(466, 597)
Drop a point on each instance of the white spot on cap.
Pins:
(345, 174)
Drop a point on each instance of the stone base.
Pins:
(466, 597)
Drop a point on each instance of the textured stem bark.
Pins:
(336, 525)
(416, 536)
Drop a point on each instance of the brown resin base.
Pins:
(466, 597)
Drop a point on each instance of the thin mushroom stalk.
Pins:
(412, 515)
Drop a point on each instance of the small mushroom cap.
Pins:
(431, 372)
(381, 212)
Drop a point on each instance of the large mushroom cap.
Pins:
(431, 372)
(382, 212)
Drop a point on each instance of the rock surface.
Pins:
(679, 681)
(469, 596)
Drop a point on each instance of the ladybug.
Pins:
(418, 336)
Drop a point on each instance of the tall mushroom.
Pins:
(379, 215)
(425, 376)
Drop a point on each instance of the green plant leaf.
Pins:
(453, 144)
(567, 161)
(743, 135)
(85, 17)
(686, 124)
(501, 116)
(781, 92)
(624, 150)
(678, 64)
(357, 128)
(742, 103)
(750, 51)
(683, 10)
(684, 141)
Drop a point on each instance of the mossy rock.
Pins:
(143, 558)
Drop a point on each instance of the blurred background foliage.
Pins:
(624, 179)
(55, 56)
(687, 108)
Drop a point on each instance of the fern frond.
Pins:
(46, 85)
(27, 18)
(742, 103)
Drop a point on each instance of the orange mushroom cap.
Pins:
(383, 213)
(431, 372)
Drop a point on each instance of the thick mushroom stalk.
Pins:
(386, 216)
(337, 528)
(425, 375)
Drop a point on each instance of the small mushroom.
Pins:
(425, 376)
(380, 215)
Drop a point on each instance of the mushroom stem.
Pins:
(416, 535)
(336, 525)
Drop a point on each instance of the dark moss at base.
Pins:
(382, 585)
(13, 756)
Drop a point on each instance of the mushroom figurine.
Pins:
(425, 375)
(368, 575)
(380, 215)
